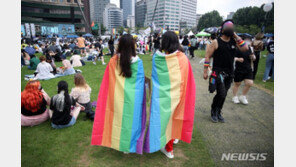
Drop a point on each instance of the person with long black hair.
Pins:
(121, 103)
(61, 114)
(185, 43)
(172, 81)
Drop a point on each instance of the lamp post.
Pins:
(266, 8)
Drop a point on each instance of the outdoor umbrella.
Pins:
(72, 36)
(211, 30)
(246, 35)
(190, 33)
(268, 35)
(203, 34)
(30, 50)
(88, 35)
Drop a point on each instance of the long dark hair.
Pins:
(126, 49)
(170, 42)
(63, 86)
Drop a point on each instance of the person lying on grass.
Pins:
(64, 110)
(33, 104)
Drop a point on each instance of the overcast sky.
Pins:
(222, 6)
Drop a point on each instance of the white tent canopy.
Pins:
(190, 33)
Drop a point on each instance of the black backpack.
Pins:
(90, 115)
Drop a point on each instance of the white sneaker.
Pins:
(94, 63)
(243, 99)
(104, 63)
(235, 100)
(125, 152)
(168, 154)
(176, 141)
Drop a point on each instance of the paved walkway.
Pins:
(248, 128)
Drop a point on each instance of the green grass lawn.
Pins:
(44, 146)
(269, 85)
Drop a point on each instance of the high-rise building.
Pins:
(87, 14)
(188, 12)
(53, 16)
(97, 8)
(128, 7)
(112, 17)
(230, 15)
(169, 13)
(130, 21)
(140, 11)
(198, 16)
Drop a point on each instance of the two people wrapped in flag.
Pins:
(120, 119)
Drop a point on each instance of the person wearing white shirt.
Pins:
(44, 70)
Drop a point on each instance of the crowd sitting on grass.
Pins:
(72, 53)
(64, 108)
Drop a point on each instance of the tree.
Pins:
(120, 29)
(254, 17)
(210, 19)
(103, 29)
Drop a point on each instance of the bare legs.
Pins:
(235, 88)
(75, 112)
(248, 84)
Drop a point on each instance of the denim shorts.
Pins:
(72, 122)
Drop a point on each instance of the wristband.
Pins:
(206, 64)
(241, 43)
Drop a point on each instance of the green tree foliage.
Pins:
(103, 29)
(120, 29)
(251, 19)
(210, 19)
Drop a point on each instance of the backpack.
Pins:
(257, 45)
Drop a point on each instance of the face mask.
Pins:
(228, 32)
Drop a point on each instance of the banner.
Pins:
(32, 25)
(23, 30)
(66, 29)
(95, 27)
(28, 31)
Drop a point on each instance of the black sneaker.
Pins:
(220, 118)
(214, 115)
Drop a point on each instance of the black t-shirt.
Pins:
(99, 46)
(224, 56)
(64, 117)
(185, 42)
(110, 42)
(245, 66)
(157, 43)
(270, 47)
(41, 110)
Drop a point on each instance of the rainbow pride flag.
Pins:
(120, 116)
(172, 102)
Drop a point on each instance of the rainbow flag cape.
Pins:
(172, 101)
(120, 116)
